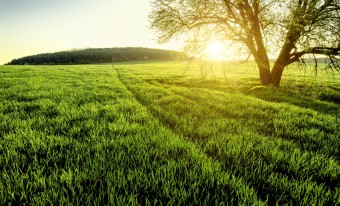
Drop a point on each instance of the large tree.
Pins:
(288, 29)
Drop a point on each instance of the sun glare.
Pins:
(216, 50)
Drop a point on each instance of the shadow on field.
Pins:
(323, 99)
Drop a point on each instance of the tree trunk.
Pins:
(281, 62)
(276, 73)
(265, 75)
(264, 69)
(270, 77)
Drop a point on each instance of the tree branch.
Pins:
(328, 51)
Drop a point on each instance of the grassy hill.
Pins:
(163, 133)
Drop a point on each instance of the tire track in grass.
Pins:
(237, 191)
(286, 190)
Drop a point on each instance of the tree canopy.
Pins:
(285, 29)
(97, 55)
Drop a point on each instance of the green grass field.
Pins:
(160, 133)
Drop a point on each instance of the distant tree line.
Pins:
(96, 55)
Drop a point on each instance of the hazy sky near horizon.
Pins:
(30, 27)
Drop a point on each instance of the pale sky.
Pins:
(30, 27)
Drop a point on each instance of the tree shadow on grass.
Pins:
(316, 99)
(324, 99)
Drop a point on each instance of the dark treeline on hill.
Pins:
(97, 55)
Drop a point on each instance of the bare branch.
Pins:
(328, 51)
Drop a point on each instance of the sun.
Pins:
(214, 47)
(216, 51)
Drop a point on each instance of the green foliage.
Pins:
(155, 133)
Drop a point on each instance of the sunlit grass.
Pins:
(158, 133)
